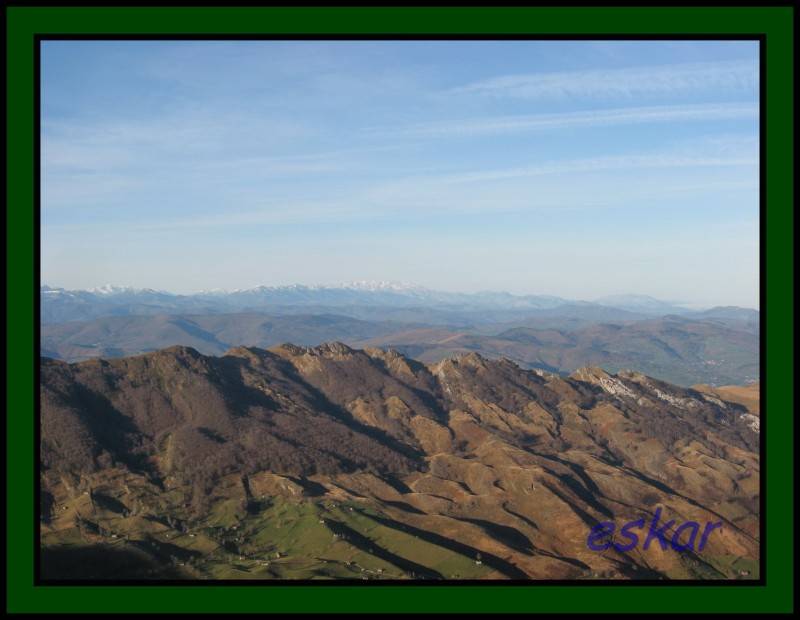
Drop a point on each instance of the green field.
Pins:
(275, 539)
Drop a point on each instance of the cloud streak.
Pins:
(625, 82)
(471, 192)
(570, 120)
(602, 164)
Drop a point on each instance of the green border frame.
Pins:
(775, 22)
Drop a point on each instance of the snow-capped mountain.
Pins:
(382, 285)
(59, 304)
(359, 299)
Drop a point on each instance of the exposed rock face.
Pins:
(469, 455)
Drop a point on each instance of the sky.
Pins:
(571, 168)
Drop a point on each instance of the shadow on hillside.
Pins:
(369, 546)
(500, 565)
(113, 430)
(320, 403)
(101, 563)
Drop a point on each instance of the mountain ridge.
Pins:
(469, 467)
(680, 349)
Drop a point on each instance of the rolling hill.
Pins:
(679, 349)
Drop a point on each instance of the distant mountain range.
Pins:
(59, 305)
(717, 346)
(329, 462)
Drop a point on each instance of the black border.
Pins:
(762, 40)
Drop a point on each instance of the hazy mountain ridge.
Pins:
(339, 463)
(677, 349)
(681, 349)
(60, 305)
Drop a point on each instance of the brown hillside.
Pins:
(339, 460)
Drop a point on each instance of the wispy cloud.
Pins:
(601, 164)
(271, 214)
(624, 82)
(693, 168)
(176, 164)
(569, 120)
(195, 133)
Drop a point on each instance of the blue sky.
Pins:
(578, 169)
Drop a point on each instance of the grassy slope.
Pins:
(279, 539)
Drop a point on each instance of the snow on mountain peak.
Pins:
(356, 285)
(380, 285)
(110, 289)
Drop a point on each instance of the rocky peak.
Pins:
(180, 351)
(610, 384)
(289, 349)
(252, 354)
(333, 349)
